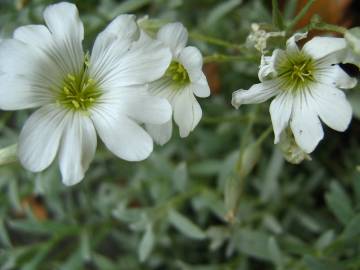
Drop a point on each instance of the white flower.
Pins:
(183, 79)
(305, 83)
(79, 96)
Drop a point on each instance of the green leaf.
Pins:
(325, 239)
(185, 226)
(352, 229)
(129, 6)
(339, 203)
(180, 177)
(4, 236)
(231, 193)
(206, 167)
(85, 245)
(270, 188)
(254, 244)
(221, 10)
(43, 227)
(317, 264)
(276, 254)
(38, 258)
(147, 244)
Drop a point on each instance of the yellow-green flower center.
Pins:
(177, 73)
(79, 91)
(297, 71)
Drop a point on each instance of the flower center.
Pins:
(79, 92)
(297, 71)
(177, 73)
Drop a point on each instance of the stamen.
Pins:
(177, 73)
(79, 92)
(297, 71)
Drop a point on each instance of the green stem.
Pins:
(263, 136)
(215, 41)
(229, 58)
(276, 15)
(300, 15)
(322, 26)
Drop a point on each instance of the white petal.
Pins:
(335, 76)
(191, 59)
(35, 35)
(40, 137)
(146, 61)
(111, 44)
(23, 80)
(305, 124)
(280, 111)
(256, 94)
(147, 109)
(161, 134)
(331, 48)
(138, 104)
(187, 112)
(174, 36)
(17, 94)
(122, 28)
(77, 148)
(122, 136)
(291, 45)
(162, 88)
(67, 31)
(332, 106)
(201, 87)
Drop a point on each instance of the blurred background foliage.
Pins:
(223, 198)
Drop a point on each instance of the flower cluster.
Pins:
(306, 84)
(105, 93)
(128, 90)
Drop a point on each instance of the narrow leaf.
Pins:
(147, 244)
(185, 226)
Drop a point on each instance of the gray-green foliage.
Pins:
(169, 211)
